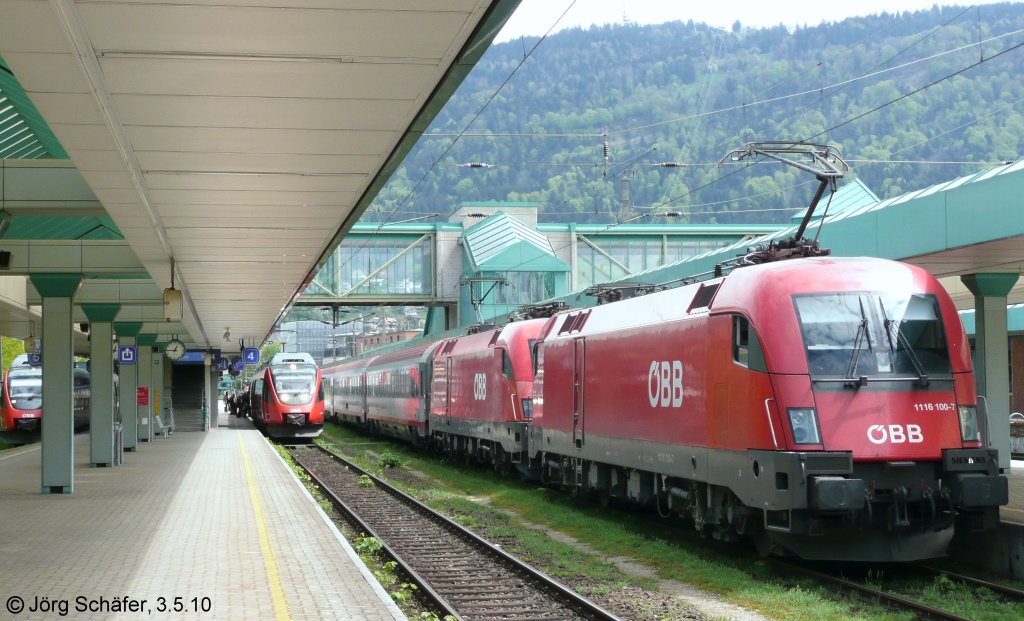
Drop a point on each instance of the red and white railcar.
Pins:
(824, 405)
(21, 403)
(287, 397)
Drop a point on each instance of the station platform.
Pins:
(214, 519)
(1014, 512)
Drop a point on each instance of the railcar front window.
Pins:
(25, 388)
(848, 335)
(295, 384)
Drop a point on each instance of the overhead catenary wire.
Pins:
(468, 125)
(839, 125)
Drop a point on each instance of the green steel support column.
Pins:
(101, 368)
(58, 476)
(128, 381)
(991, 355)
(145, 370)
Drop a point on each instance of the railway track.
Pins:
(464, 575)
(899, 600)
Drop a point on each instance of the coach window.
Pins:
(746, 348)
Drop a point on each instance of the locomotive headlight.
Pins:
(285, 398)
(803, 422)
(969, 429)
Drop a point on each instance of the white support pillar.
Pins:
(58, 423)
(210, 388)
(991, 346)
(144, 391)
(159, 362)
(128, 381)
(101, 363)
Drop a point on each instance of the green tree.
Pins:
(11, 348)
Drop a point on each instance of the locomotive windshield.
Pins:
(294, 383)
(850, 335)
(25, 387)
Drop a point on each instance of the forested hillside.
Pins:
(688, 93)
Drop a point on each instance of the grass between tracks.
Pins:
(500, 510)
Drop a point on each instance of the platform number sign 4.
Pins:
(251, 355)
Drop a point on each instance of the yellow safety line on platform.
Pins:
(273, 575)
(1014, 510)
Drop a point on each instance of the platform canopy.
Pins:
(240, 138)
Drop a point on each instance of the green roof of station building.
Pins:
(23, 132)
(965, 211)
(501, 243)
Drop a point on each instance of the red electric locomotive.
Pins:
(482, 396)
(287, 397)
(825, 406)
(21, 410)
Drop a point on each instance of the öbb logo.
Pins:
(665, 383)
(879, 434)
(480, 386)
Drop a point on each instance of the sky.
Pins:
(535, 17)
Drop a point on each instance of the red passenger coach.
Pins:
(824, 406)
(345, 391)
(398, 393)
(482, 397)
(287, 397)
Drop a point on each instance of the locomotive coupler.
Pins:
(898, 517)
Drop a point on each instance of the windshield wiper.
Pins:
(863, 333)
(922, 377)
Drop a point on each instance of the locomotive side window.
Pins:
(506, 364)
(532, 344)
(746, 348)
(849, 335)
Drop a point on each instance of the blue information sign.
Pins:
(35, 360)
(251, 355)
(127, 354)
(222, 364)
(237, 364)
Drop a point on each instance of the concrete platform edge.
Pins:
(1000, 552)
(393, 608)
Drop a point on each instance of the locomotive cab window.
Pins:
(849, 335)
(746, 348)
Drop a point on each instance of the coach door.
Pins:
(577, 399)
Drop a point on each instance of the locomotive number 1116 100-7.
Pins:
(934, 407)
